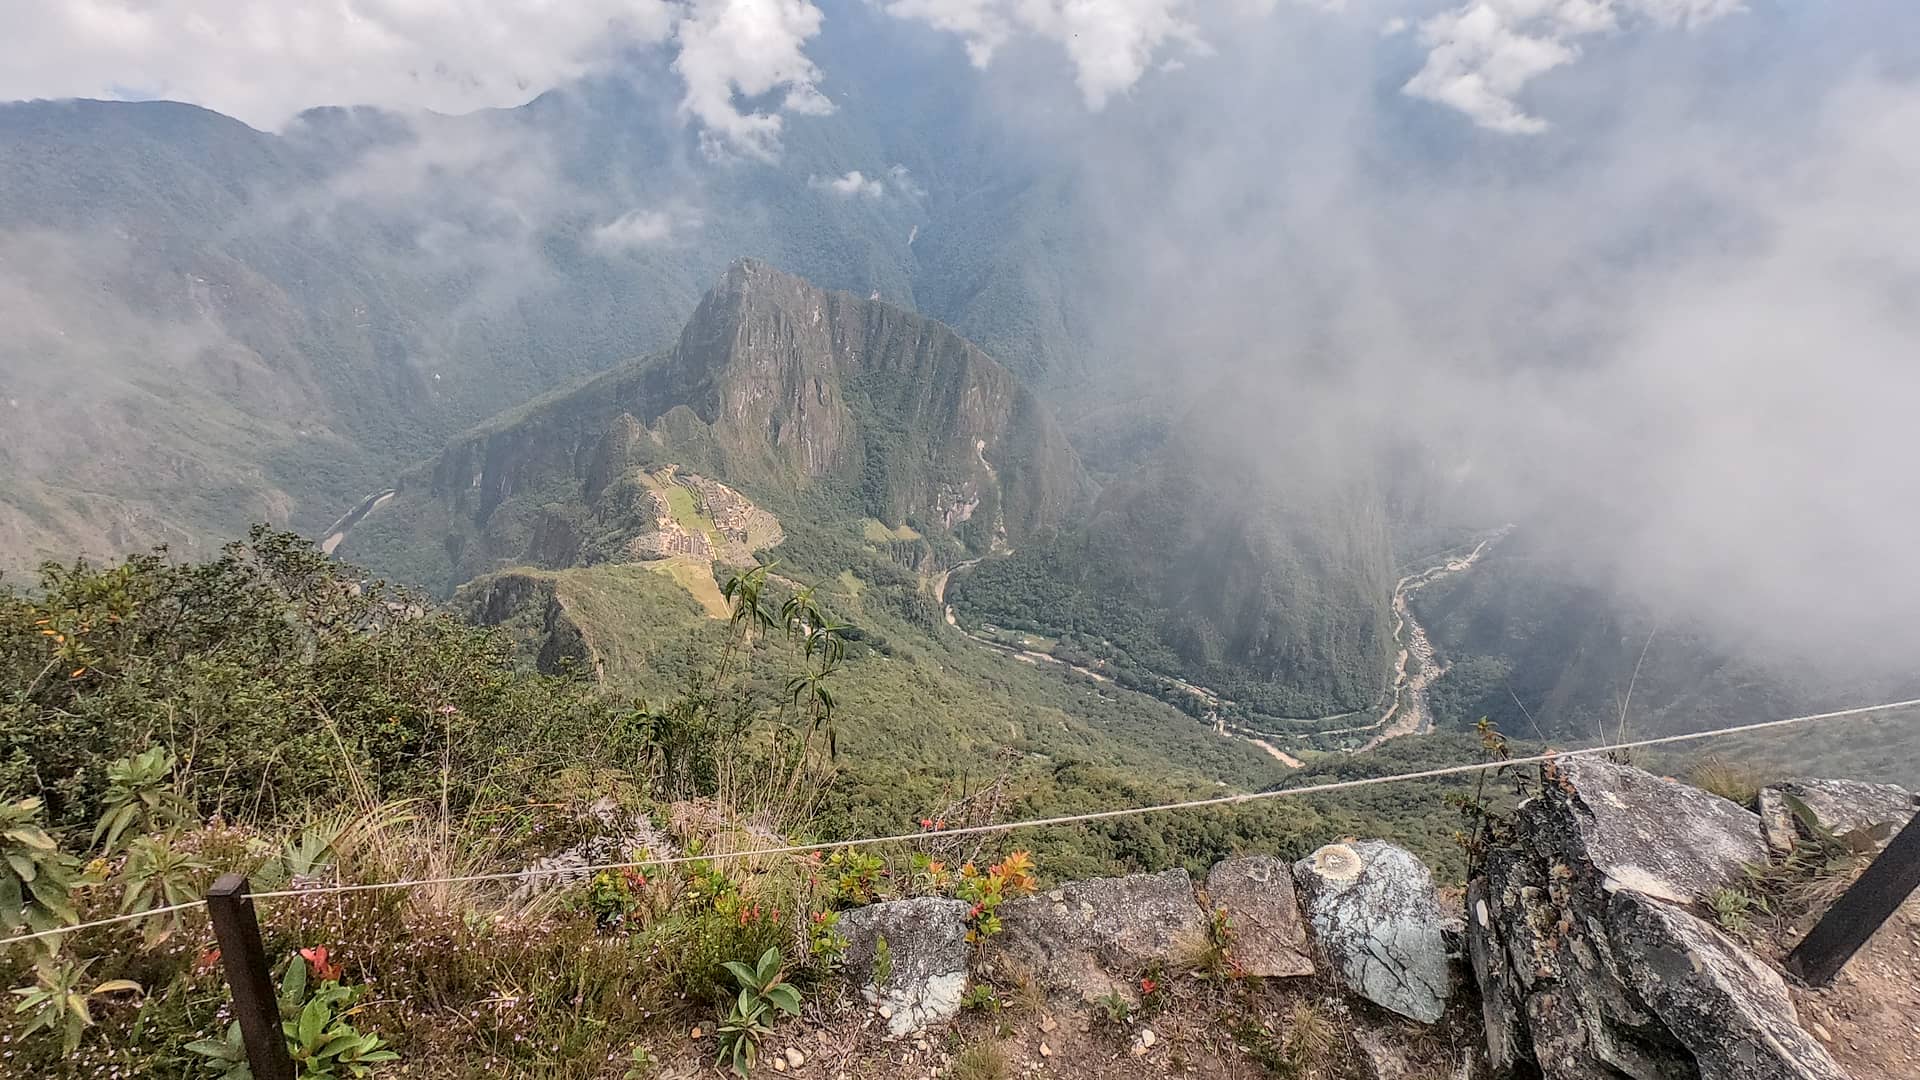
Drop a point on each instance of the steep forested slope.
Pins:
(819, 405)
(211, 325)
(1249, 555)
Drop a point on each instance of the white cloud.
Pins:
(640, 230)
(854, 185)
(749, 48)
(1111, 43)
(903, 182)
(264, 62)
(1483, 53)
(985, 25)
(858, 185)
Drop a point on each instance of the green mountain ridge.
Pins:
(212, 325)
(809, 401)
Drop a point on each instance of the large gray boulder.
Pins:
(1728, 1009)
(1094, 938)
(1842, 806)
(1657, 837)
(1590, 964)
(1256, 893)
(1372, 912)
(920, 975)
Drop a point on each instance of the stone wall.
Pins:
(1587, 948)
(1365, 915)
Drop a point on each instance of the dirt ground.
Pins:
(1869, 1019)
(1205, 1029)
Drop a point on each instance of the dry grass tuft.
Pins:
(982, 1061)
(1735, 782)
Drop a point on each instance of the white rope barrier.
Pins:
(1005, 826)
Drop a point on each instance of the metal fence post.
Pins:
(256, 1003)
(1853, 918)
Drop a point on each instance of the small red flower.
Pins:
(926, 823)
(208, 960)
(1148, 986)
(323, 970)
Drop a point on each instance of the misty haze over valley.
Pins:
(1123, 401)
(1631, 281)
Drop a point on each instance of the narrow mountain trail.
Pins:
(337, 532)
(1278, 754)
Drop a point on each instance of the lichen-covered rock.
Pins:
(1589, 965)
(1729, 1010)
(1372, 912)
(614, 836)
(920, 974)
(1095, 938)
(1841, 805)
(1658, 837)
(1507, 1042)
(1257, 895)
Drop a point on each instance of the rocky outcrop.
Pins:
(1637, 831)
(1263, 915)
(1373, 914)
(529, 608)
(1590, 962)
(1588, 933)
(1094, 938)
(909, 958)
(615, 835)
(1841, 806)
(1506, 1029)
(1728, 1009)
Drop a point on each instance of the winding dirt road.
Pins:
(339, 530)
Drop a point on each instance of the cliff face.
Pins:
(797, 384)
(796, 396)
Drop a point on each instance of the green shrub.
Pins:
(36, 878)
(984, 893)
(764, 995)
(158, 874)
(139, 800)
(315, 1018)
(57, 1002)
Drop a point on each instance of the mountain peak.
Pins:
(792, 379)
(777, 386)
